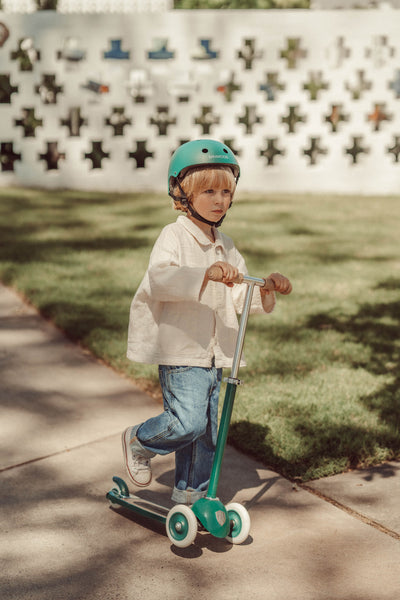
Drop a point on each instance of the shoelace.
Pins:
(141, 463)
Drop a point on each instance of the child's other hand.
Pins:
(229, 272)
(281, 283)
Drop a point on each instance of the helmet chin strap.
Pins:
(196, 215)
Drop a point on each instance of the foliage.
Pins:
(241, 4)
(46, 4)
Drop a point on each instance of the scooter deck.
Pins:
(138, 505)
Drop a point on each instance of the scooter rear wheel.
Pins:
(181, 526)
(240, 523)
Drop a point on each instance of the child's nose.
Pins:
(220, 196)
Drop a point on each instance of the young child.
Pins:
(186, 323)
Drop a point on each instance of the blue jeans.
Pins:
(188, 426)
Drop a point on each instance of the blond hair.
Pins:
(198, 179)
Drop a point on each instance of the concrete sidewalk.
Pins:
(62, 414)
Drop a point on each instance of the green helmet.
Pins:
(199, 153)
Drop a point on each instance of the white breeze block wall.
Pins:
(309, 100)
(91, 6)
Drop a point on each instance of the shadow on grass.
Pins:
(377, 327)
(79, 320)
(339, 446)
(16, 248)
(37, 225)
(324, 441)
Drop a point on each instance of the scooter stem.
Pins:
(242, 330)
(230, 393)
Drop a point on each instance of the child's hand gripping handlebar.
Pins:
(226, 273)
(275, 282)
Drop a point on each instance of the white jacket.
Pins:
(170, 322)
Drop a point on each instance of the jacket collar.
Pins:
(198, 234)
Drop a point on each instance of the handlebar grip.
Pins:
(269, 285)
(215, 273)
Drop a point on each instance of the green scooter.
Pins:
(232, 521)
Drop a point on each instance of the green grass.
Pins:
(321, 389)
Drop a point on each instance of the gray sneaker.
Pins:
(138, 467)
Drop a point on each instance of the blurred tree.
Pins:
(46, 4)
(241, 4)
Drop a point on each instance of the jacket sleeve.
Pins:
(260, 304)
(169, 280)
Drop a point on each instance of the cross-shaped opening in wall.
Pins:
(8, 156)
(29, 122)
(228, 87)
(357, 148)
(249, 118)
(315, 84)
(162, 120)
(271, 151)
(74, 121)
(26, 55)
(207, 119)
(292, 118)
(48, 89)
(314, 150)
(378, 115)
(141, 154)
(52, 156)
(118, 120)
(6, 88)
(272, 86)
(395, 149)
(97, 155)
(248, 53)
(293, 52)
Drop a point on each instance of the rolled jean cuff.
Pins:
(137, 447)
(187, 496)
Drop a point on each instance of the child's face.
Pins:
(212, 203)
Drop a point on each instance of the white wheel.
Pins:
(240, 523)
(181, 526)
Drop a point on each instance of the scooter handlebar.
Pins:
(215, 273)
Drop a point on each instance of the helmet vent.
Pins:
(226, 151)
(205, 150)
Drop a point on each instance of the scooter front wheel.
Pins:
(240, 523)
(181, 526)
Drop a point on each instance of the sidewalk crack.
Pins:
(64, 451)
(353, 513)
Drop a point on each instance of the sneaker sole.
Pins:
(131, 477)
